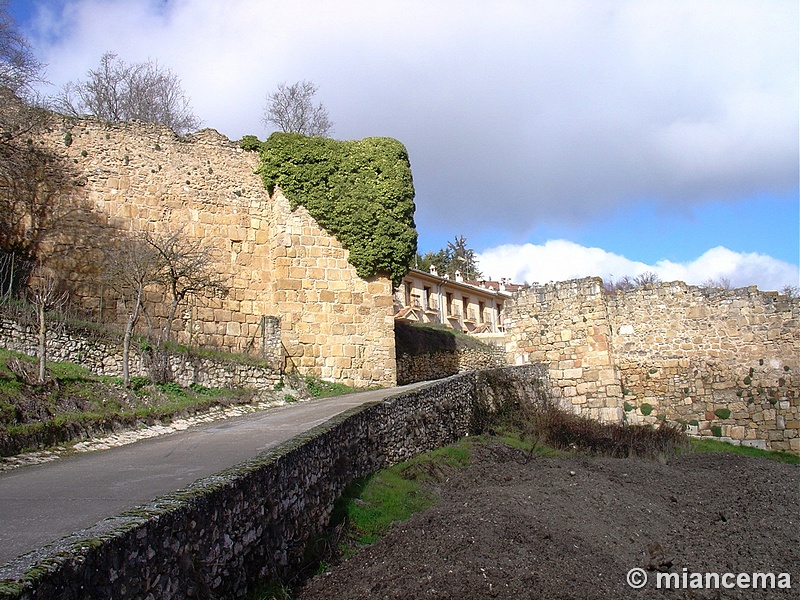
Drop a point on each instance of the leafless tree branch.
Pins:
(291, 109)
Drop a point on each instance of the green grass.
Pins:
(271, 590)
(386, 498)
(709, 445)
(73, 395)
(325, 389)
(371, 505)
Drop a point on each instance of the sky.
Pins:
(562, 138)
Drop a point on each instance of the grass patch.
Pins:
(325, 389)
(381, 500)
(369, 506)
(271, 590)
(709, 445)
(36, 415)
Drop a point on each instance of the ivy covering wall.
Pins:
(360, 191)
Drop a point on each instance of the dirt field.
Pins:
(573, 527)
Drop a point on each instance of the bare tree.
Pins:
(45, 295)
(33, 181)
(792, 291)
(117, 91)
(626, 282)
(723, 283)
(19, 68)
(646, 278)
(291, 109)
(130, 268)
(620, 285)
(187, 267)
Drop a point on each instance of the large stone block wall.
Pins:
(141, 177)
(724, 362)
(342, 325)
(565, 326)
(222, 535)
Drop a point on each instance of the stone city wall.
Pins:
(565, 326)
(226, 533)
(723, 362)
(135, 177)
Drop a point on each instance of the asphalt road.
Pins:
(40, 504)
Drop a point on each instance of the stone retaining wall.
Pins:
(104, 357)
(436, 365)
(223, 534)
(425, 353)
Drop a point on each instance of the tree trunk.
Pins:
(126, 353)
(42, 343)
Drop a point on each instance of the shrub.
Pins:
(250, 143)
(361, 192)
(324, 389)
(137, 382)
(551, 426)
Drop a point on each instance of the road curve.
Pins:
(40, 504)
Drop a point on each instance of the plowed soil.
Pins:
(510, 526)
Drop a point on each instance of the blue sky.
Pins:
(563, 138)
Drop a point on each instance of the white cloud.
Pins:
(559, 260)
(516, 113)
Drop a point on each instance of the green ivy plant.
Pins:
(360, 191)
(723, 413)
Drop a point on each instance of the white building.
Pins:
(470, 306)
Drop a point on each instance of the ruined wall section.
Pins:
(137, 176)
(724, 362)
(565, 326)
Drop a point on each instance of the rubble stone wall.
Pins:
(565, 326)
(104, 357)
(723, 362)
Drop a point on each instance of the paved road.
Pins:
(42, 503)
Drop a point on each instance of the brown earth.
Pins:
(572, 527)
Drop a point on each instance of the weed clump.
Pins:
(545, 424)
